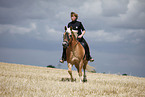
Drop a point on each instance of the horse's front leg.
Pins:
(70, 71)
(80, 70)
(80, 74)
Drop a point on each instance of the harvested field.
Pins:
(17, 80)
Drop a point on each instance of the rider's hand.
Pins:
(80, 36)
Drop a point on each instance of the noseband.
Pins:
(66, 42)
(67, 35)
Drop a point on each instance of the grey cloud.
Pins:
(133, 19)
(57, 14)
(14, 11)
(114, 7)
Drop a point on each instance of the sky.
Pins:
(31, 32)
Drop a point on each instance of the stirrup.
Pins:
(91, 60)
(61, 61)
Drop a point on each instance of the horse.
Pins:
(75, 53)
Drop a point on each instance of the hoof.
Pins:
(84, 79)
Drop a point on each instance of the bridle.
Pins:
(67, 39)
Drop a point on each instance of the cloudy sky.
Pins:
(31, 32)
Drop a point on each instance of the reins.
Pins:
(76, 43)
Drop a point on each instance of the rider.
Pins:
(76, 25)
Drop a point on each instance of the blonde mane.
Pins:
(75, 32)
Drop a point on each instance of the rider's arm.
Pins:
(83, 32)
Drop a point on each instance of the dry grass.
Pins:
(31, 81)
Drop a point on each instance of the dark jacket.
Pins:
(76, 25)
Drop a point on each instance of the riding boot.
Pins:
(63, 58)
(64, 54)
(88, 56)
(87, 50)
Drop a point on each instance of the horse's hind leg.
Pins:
(70, 71)
(84, 79)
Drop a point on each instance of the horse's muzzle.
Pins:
(65, 44)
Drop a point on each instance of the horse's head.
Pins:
(67, 37)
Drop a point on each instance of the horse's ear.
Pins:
(65, 28)
(71, 28)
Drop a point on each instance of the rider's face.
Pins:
(73, 18)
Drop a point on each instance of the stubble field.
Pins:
(17, 80)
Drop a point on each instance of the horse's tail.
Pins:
(90, 69)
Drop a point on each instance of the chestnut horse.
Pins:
(75, 53)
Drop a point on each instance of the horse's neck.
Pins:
(75, 33)
(73, 44)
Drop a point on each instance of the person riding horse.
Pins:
(77, 25)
